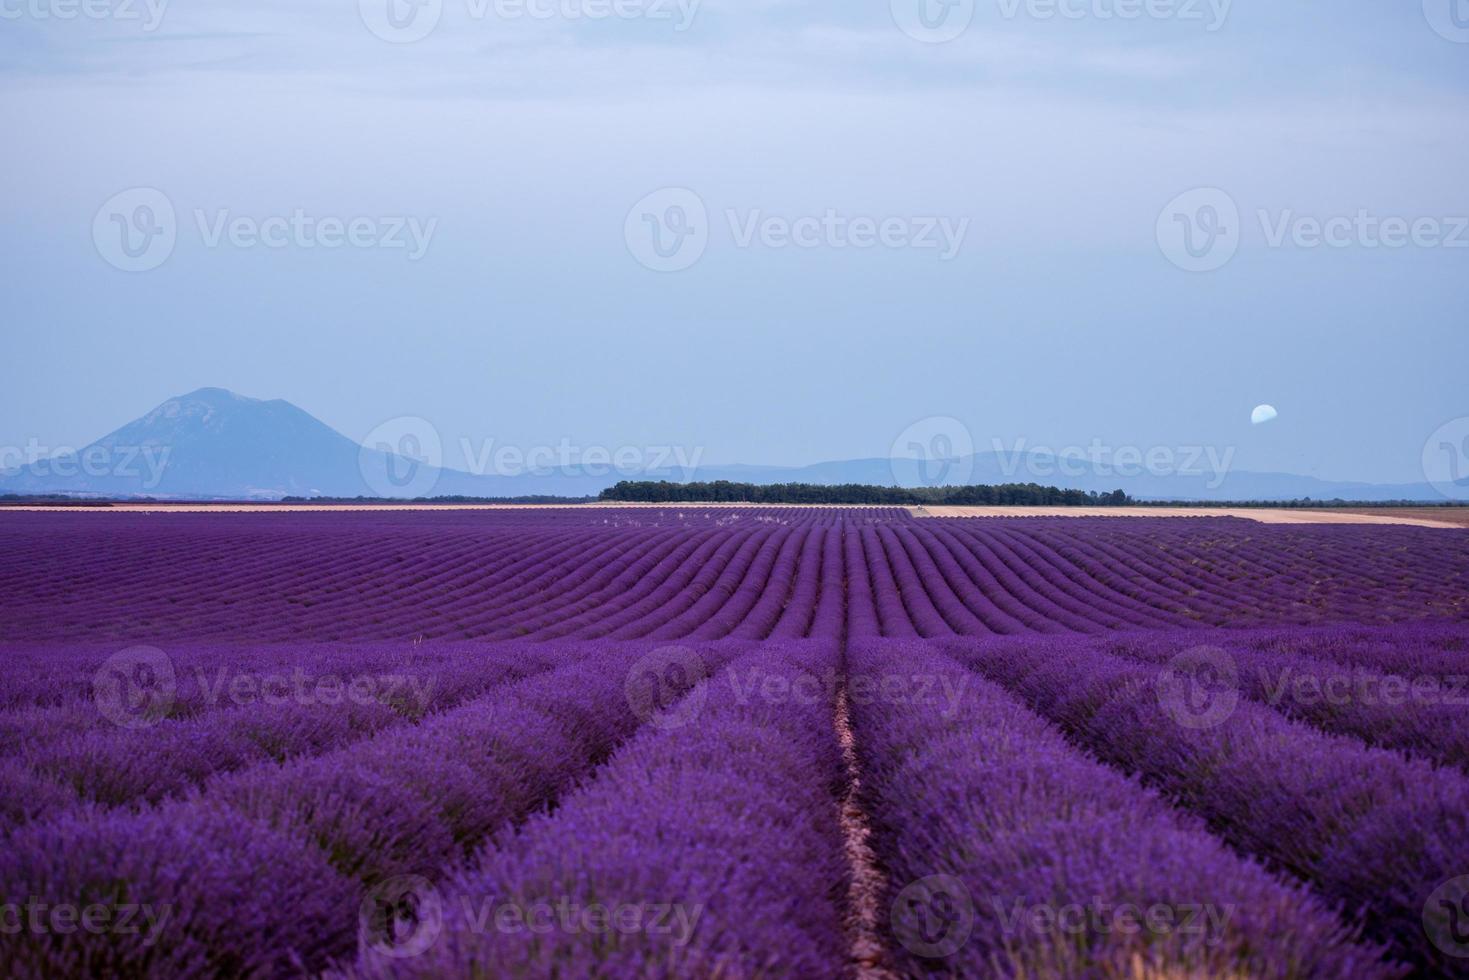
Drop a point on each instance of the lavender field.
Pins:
(731, 742)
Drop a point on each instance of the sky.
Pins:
(773, 231)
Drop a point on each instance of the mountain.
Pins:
(214, 444)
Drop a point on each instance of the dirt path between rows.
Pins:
(868, 952)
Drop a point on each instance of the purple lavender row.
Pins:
(411, 678)
(1011, 854)
(1251, 574)
(141, 687)
(578, 581)
(1368, 828)
(671, 572)
(1425, 649)
(862, 618)
(720, 592)
(1070, 585)
(724, 593)
(1004, 576)
(1196, 594)
(306, 557)
(888, 598)
(635, 607)
(1422, 713)
(708, 846)
(108, 742)
(1099, 592)
(56, 676)
(550, 565)
(959, 597)
(416, 799)
(1310, 574)
(759, 579)
(770, 603)
(817, 606)
(963, 605)
(892, 569)
(759, 598)
(406, 801)
(114, 766)
(674, 588)
(741, 577)
(490, 575)
(1001, 610)
(1123, 586)
(175, 892)
(1038, 585)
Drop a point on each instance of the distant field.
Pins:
(1441, 517)
(1415, 516)
(1457, 516)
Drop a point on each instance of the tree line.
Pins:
(725, 491)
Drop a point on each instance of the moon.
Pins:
(1262, 414)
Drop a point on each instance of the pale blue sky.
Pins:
(528, 319)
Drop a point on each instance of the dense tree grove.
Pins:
(724, 491)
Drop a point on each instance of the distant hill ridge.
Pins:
(215, 444)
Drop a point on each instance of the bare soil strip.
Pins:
(868, 953)
(1416, 517)
(1457, 516)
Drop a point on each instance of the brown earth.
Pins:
(1416, 516)
(1457, 516)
